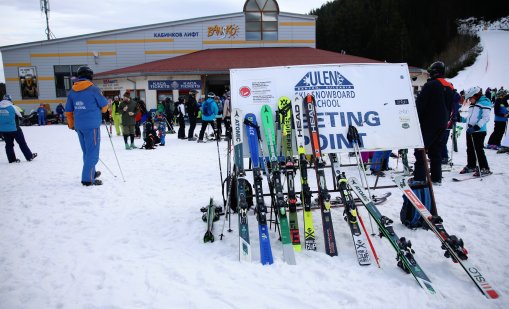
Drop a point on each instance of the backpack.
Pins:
(248, 189)
(408, 215)
(207, 108)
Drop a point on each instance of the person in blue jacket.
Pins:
(60, 112)
(209, 112)
(501, 115)
(10, 129)
(41, 115)
(477, 118)
(84, 108)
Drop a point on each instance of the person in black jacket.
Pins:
(434, 104)
(192, 113)
(181, 112)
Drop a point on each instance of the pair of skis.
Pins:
(452, 245)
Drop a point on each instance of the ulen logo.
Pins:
(245, 91)
(323, 80)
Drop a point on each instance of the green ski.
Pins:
(275, 176)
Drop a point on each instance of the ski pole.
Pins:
(353, 136)
(476, 157)
(116, 158)
(219, 159)
(106, 166)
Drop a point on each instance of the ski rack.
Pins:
(335, 189)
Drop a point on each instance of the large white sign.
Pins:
(376, 98)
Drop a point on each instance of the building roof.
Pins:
(220, 61)
(144, 27)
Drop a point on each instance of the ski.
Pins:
(455, 179)
(402, 246)
(377, 199)
(285, 113)
(305, 194)
(450, 243)
(209, 217)
(350, 214)
(238, 137)
(253, 135)
(324, 196)
(275, 177)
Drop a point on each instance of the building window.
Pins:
(261, 20)
(63, 78)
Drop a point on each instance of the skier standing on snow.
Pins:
(227, 115)
(209, 112)
(181, 112)
(478, 116)
(11, 131)
(41, 115)
(434, 104)
(129, 109)
(192, 113)
(60, 112)
(84, 108)
(116, 114)
(501, 114)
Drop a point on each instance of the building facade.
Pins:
(42, 72)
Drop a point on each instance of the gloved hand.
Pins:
(473, 129)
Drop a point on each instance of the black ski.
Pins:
(324, 196)
(402, 246)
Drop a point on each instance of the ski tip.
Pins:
(492, 294)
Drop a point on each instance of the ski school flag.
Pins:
(376, 98)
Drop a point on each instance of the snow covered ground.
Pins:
(138, 243)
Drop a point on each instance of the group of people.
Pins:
(438, 107)
(213, 111)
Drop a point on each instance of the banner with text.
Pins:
(376, 98)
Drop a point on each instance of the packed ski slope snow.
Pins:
(490, 68)
(138, 243)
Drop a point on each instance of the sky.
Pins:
(23, 21)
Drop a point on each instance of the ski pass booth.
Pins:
(375, 98)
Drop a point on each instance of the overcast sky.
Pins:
(22, 21)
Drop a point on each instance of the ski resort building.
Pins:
(167, 59)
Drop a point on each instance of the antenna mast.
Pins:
(45, 9)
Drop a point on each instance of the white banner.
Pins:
(376, 98)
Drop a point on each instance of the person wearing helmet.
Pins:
(11, 131)
(192, 109)
(501, 114)
(116, 114)
(434, 105)
(209, 112)
(84, 107)
(477, 118)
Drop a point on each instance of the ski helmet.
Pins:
(472, 91)
(211, 95)
(436, 69)
(7, 97)
(85, 72)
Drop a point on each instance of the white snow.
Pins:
(138, 244)
(490, 68)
